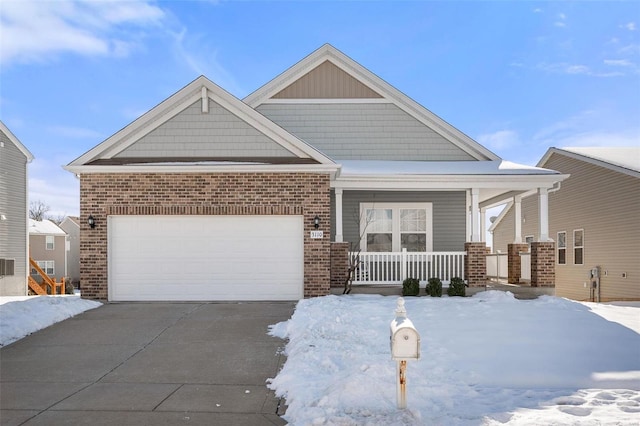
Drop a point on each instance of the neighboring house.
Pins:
(594, 218)
(208, 197)
(48, 248)
(71, 225)
(14, 158)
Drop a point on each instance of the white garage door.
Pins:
(205, 258)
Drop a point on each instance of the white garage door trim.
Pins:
(205, 258)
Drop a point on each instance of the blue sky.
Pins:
(518, 77)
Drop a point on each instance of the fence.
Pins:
(497, 266)
(395, 267)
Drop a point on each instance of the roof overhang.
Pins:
(16, 142)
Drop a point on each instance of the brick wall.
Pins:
(513, 260)
(543, 263)
(339, 263)
(104, 194)
(475, 264)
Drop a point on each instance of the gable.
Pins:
(329, 77)
(215, 135)
(376, 131)
(201, 125)
(326, 81)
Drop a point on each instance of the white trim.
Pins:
(543, 214)
(587, 159)
(327, 101)
(475, 219)
(180, 101)
(517, 202)
(338, 211)
(558, 248)
(375, 83)
(205, 168)
(395, 217)
(16, 142)
(205, 100)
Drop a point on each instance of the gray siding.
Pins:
(449, 221)
(326, 81)
(377, 131)
(218, 133)
(73, 256)
(606, 204)
(13, 204)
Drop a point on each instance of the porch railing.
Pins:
(395, 267)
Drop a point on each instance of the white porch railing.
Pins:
(395, 267)
(497, 266)
(525, 265)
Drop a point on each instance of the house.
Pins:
(593, 218)
(14, 159)
(48, 247)
(209, 197)
(71, 226)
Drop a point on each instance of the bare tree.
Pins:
(354, 256)
(38, 210)
(57, 219)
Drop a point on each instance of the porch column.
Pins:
(338, 192)
(483, 225)
(475, 207)
(543, 203)
(517, 204)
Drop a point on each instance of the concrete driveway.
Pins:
(147, 364)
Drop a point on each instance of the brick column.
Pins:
(513, 262)
(475, 264)
(339, 263)
(543, 264)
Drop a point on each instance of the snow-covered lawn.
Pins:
(486, 360)
(22, 315)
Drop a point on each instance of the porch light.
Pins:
(316, 222)
(91, 221)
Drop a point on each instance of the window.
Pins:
(390, 227)
(578, 246)
(562, 248)
(48, 266)
(50, 242)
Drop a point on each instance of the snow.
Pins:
(23, 315)
(485, 360)
(386, 168)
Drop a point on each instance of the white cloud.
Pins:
(499, 140)
(561, 21)
(56, 187)
(576, 69)
(619, 62)
(598, 138)
(34, 31)
(631, 26)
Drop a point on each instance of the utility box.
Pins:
(404, 338)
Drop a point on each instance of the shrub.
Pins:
(411, 287)
(456, 287)
(434, 287)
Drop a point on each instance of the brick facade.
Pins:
(514, 273)
(339, 263)
(104, 194)
(475, 264)
(543, 262)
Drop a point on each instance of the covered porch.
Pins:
(376, 240)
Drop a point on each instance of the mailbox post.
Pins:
(405, 346)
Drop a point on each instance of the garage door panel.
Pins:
(206, 257)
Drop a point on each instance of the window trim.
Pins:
(558, 248)
(395, 218)
(53, 242)
(578, 247)
(43, 264)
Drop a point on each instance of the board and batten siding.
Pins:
(13, 204)
(357, 131)
(606, 205)
(449, 222)
(326, 81)
(216, 134)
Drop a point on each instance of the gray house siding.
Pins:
(73, 256)
(363, 131)
(194, 134)
(606, 205)
(449, 220)
(13, 205)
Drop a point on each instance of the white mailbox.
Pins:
(405, 340)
